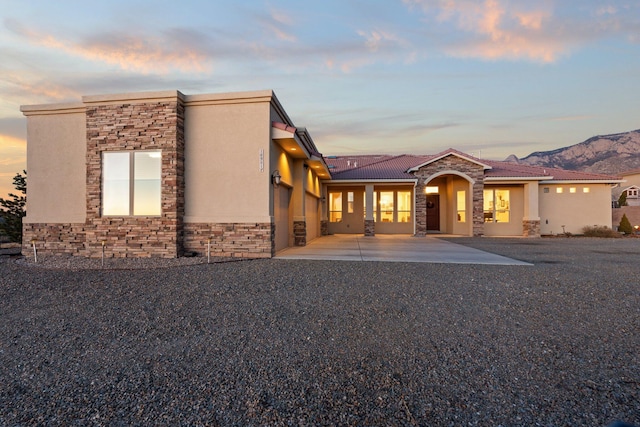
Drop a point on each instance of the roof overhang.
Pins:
(292, 140)
(373, 181)
(582, 181)
(518, 179)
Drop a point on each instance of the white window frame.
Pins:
(132, 183)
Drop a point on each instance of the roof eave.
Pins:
(516, 178)
(582, 181)
(374, 181)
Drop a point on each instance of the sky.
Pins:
(487, 77)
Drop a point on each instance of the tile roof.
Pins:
(387, 167)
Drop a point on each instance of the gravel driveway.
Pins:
(290, 342)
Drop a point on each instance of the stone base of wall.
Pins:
(237, 240)
(54, 239)
(130, 241)
(121, 237)
(369, 227)
(300, 233)
(531, 228)
(324, 227)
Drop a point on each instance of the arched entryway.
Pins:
(445, 204)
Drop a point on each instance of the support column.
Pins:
(420, 202)
(369, 221)
(531, 219)
(324, 219)
(298, 199)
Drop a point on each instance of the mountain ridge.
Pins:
(606, 154)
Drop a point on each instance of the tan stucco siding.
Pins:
(224, 181)
(462, 225)
(312, 216)
(56, 168)
(516, 213)
(573, 210)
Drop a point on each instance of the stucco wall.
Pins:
(56, 167)
(460, 184)
(223, 179)
(573, 210)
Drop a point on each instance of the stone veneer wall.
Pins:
(450, 163)
(531, 228)
(123, 127)
(369, 227)
(137, 126)
(250, 240)
(299, 233)
(324, 227)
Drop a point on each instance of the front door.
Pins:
(433, 212)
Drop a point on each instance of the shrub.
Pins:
(625, 226)
(599, 231)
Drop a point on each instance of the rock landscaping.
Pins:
(290, 342)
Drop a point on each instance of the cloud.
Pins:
(514, 30)
(571, 118)
(30, 85)
(170, 50)
(12, 160)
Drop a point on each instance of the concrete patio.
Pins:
(392, 248)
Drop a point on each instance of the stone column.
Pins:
(369, 221)
(420, 201)
(531, 219)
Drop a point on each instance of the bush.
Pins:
(598, 231)
(625, 226)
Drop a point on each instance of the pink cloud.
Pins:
(128, 52)
(38, 87)
(499, 29)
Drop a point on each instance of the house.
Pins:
(455, 193)
(163, 174)
(631, 188)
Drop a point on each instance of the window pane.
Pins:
(350, 202)
(147, 185)
(404, 206)
(461, 199)
(386, 206)
(502, 205)
(115, 183)
(335, 206)
(488, 205)
(375, 206)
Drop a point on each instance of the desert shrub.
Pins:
(625, 226)
(598, 231)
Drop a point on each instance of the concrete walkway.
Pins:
(392, 248)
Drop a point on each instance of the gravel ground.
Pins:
(290, 342)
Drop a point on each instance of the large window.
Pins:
(335, 206)
(386, 206)
(404, 206)
(461, 202)
(131, 183)
(496, 205)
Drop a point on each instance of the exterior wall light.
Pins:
(276, 177)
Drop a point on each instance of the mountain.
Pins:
(607, 154)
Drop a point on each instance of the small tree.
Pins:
(622, 200)
(625, 225)
(13, 209)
